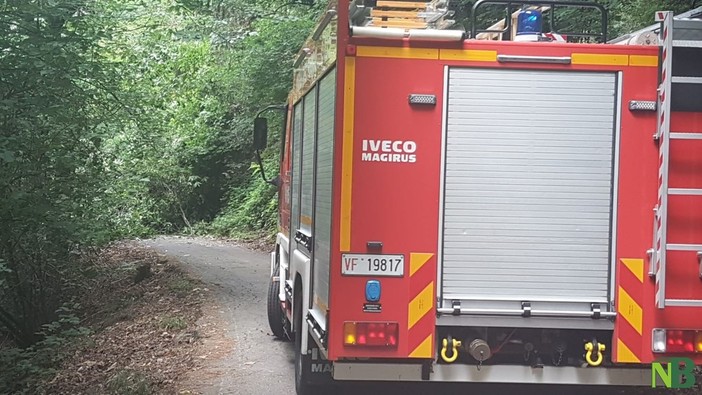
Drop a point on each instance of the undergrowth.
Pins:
(24, 370)
(251, 212)
(129, 382)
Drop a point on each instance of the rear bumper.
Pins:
(640, 376)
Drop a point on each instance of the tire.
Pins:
(276, 317)
(307, 380)
(303, 386)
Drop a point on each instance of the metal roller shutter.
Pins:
(308, 136)
(527, 193)
(323, 195)
(295, 168)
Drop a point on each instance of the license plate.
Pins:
(372, 265)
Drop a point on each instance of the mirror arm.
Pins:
(273, 181)
(272, 107)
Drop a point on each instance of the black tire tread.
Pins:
(302, 384)
(275, 312)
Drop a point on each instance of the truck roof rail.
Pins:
(511, 4)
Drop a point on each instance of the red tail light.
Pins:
(677, 341)
(681, 341)
(371, 334)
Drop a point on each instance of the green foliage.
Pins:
(128, 382)
(123, 118)
(181, 287)
(202, 78)
(631, 15)
(170, 323)
(252, 207)
(54, 100)
(23, 370)
(258, 73)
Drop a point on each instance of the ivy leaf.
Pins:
(7, 156)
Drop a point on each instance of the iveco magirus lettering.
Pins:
(389, 151)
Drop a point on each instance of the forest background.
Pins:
(131, 118)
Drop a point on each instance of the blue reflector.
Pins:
(373, 290)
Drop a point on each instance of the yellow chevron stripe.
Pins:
(424, 350)
(624, 353)
(420, 305)
(636, 266)
(630, 310)
(417, 260)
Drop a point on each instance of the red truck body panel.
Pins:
(396, 201)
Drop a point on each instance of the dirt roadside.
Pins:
(195, 325)
(142, 310)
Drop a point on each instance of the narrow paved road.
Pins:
(243, 357)
(250, 361)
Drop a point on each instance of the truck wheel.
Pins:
(303, 385)
(312, 376)
(276, 318)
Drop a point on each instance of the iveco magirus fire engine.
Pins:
(514, 204)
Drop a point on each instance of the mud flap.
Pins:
(312, 373)
(317, 369)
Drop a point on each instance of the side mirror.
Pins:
(260, 137)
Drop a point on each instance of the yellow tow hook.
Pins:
(454, 349)
(597, 348)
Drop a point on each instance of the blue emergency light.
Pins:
(529, 25)
(373, 290)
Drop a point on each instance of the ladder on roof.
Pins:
(406, 14)
(688, 36)
(401, 14)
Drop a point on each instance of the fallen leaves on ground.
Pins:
(145, 336)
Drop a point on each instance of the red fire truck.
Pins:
(513, 204)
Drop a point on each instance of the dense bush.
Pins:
(117, 119)
(23, 370)
(54, 111)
